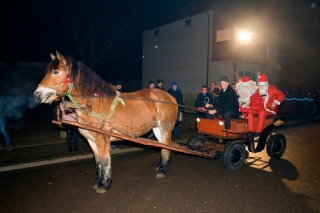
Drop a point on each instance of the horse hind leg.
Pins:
(163, 165)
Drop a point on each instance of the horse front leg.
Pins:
(94, 149)
(103, 169)
(90, 136)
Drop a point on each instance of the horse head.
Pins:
(57, 80)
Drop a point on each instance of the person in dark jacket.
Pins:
(175, 91)
(151, 85)
(203, 98)
(227, 106)
(3, 129)
(160, 85)
(119, 86)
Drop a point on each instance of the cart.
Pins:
(213, 142)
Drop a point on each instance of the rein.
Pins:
(149, 100)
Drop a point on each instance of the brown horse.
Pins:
(99, 105)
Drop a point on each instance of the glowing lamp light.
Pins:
(198, 119)
(244, 36)
(220, 123)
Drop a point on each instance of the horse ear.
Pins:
(61, 58)
(52, 56)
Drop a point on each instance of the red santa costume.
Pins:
(245, 89)
(263, 102)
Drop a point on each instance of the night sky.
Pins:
(31, 30)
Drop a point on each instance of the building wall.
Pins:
(181, 54)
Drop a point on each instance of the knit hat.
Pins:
(245, 81)
(159, 81)
(262, 79)
(151, 82)
(225, 78)
(118, 83)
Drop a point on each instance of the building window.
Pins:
(156, 32)
(187, 22)
(223, 35)
(252, 75)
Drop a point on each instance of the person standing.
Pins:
(4, 130)
(203, 98)
(160, 85)
(212, 87)
(175, 91)
(214, 91)
(151, 85)
(227, 105)
(72, 132)
(119, 86)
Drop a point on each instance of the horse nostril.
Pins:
(37, 96)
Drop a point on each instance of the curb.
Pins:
(60, 160)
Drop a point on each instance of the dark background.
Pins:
(31, 30)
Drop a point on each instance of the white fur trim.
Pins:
(263, 83)
(277, 102)
(265, 102)
(246, 83)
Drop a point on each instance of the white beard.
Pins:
(245, 92)
(264, 90)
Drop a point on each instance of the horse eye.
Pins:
(55, 72)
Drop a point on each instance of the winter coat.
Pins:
(258, 103)
(203, 99)
(67, 114)
(176, 93)
(227, 101)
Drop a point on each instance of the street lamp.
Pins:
(244, 36)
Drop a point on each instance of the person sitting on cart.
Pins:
(227, 105)
(245, 88)
(203, 98)
(263, 102)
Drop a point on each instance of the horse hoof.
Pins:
(101, 191)
(160, 175)
(95, 186)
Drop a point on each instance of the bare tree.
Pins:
(98, 36)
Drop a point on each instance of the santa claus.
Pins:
(263, 102)
(245, 88)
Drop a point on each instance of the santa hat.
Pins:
(245, 81)
(262, 79)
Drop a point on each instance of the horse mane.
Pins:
(89, 81)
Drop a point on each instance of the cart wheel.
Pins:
(233, 155)
(276, 145)
(191, 138)
(196, 141)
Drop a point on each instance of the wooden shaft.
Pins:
(142, 141)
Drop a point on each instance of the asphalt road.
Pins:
(192, 184)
